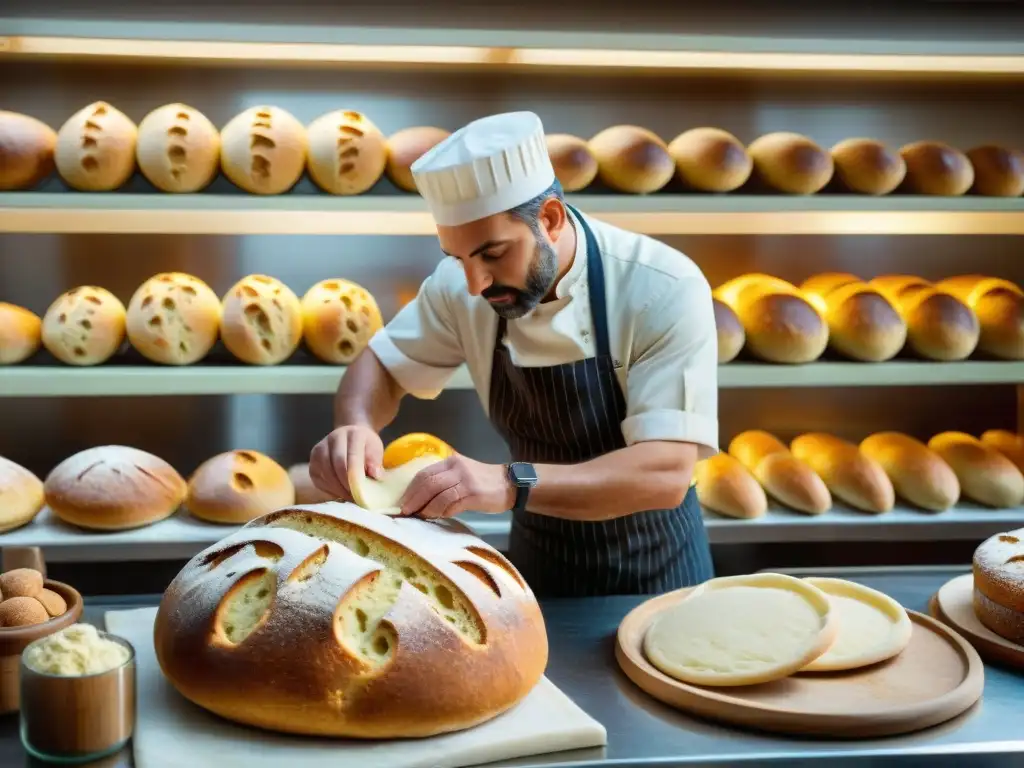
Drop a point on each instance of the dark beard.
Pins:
(539, 280)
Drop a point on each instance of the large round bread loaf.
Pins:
(999, 306)
(20, 333)
(173, 319)
(407, 146)
(791, 163)
(998, 171)
(84, 326)
(339, 318)
(238, 486)
(710, 160)
(263, 150)
(21, 495)
(632, 159)
(178, 148)
(934, 168)
(95, 150)
(985, 475)
(575, 165)
(867, 167)
(333, 620)
(261, 323)
(999, 584)
(918, 474)
(850, 474)
(862, 323)
(26, 151)
(347, 152)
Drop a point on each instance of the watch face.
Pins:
(523, 474)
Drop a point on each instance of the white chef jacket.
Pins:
(661, 329)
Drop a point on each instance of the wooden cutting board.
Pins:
(546, 721)
(954, 605)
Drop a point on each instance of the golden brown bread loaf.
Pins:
(347, 152)
(710, 160)
(113, 488)
(178, 148)
(21, 495)
(338, 319)
(174, 319)
(868, 167)
(575, 166)
(999, 306)
(261, 320)
(84, 326)
(1010, 444)
(407, 146)
(985, 475)
(374, 627)
(934, 168)
(848, 473)
(918, 474)
(862, 323)
(26, 151)
(305, 491)
(54, 604)
(238, 486)
(95, 150)
(22, 612)
(632, 159)
(21, 582)
(785, 478)
(263, 150)
(730, 332)
(725, 486)
(791, 163)
(998, 171)
(999, 584)
(939, 325)
(20, 333)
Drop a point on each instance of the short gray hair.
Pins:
(529, 212)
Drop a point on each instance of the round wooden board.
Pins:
(954, 605)
(937, 677)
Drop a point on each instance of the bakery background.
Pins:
(39, 432)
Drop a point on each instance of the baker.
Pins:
(594, 353)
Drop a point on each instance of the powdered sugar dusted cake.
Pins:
(999, 584)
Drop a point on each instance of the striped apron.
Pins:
(567, 414)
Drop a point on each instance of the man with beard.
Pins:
(594, 353)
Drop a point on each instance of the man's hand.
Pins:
(456, 485)
(355, 448)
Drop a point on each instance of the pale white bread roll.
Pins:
(407, 146)
(263, 150)
(710, 160)
(113, 488)
(862, 323)
(338, 319)
(919, 475)
(84, 326)
(26, 151)
(934, 168)
(21, 495)
(999, 306)
(780, 324)
(261, 320)
(238, 486)
(382, 627)
(985, 475)
(731, 336)
(20, 333)
(384, 495)
(725, 486)
(868, 167)
(1010, 444)
(791, 163)
(305, 491)
(347, 152)
(632, 159)
(999, 584)
(742, 630)
(872, 626)
(178, 148)
(998, 171)
(174, 319)
(575, 165)
(95, 149)
(939, 325)
(786, 479)
(849, 474)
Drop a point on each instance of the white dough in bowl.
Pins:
(383, 495)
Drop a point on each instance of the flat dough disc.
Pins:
(742, 630)
(383, 495)
(872, 626)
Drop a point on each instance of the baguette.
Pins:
(999, 306)
(725, 486)
(862, 323)
(939, 325)
(1010, 444)
(918, 474)
(785, 478)
(985, 475)
(849, 474)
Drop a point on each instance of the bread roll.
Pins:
(791, 163)
(21, 495)
(730, 332)
(95, 150)
(862, 323)
(998, 171)
(985, 475)
(848, 473)
(261, 320)
(868, 167)
(347, 152)
(999, 584)
(22, 612)
(305, 491)
(26, 151)
(238, 486)
(21, 582)
(816, 287)
(374, 627)
(263, 150)
(939, 326)
(1010, 444)
(781, 325)
(575, 166)
(113, 488)
(725, 486)
(632, 159)
(785, 478)
(934, 168)
(338, 320)
(407, 146)
(84, 326)
(178, 149)
(999, 306)
(918, 474)
(174, 319)
(710, 160)
(20, 333)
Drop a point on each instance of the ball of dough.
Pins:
(21, 496)
(791, 163)
(26, 151)
(174, 319)
(632, 159)
(338, 320)
(407, 146)
(868, 167)
(22, 612)
(20, 333)
(261, 321)
(263, 150)
(54, 604)
(347, 152)
(305, 491)
(731, 336)
(178, 149)
(84, 326)
(711, 160)
(95, 149)
(934, 168)
(998, 171)
(238, 486)
(575, 166)
(21, 582)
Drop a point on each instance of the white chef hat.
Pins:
(488, 166)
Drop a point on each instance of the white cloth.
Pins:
(661, 327)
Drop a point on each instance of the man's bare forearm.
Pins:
(367, 395)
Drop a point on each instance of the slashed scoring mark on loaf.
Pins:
(264, 549)
(247, 605)
(499, 562)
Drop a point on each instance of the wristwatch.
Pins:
(523, 477)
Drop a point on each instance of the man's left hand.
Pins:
(456, 485)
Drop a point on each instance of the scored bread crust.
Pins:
(328, 619)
